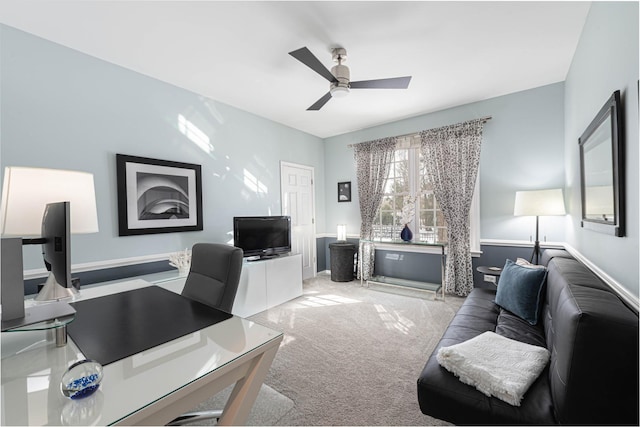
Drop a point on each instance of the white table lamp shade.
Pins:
(539, 203)
(26, 191)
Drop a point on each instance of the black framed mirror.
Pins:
(602, 171)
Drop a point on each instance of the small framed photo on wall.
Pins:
(344, 191)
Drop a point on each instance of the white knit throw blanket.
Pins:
(495, 365)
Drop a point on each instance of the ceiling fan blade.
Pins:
(392, 83)
(320, 102)
(305, 56)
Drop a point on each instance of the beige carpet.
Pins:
(351, 355)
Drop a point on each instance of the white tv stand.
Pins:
(267, 283)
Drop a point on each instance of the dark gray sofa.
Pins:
(592, 377)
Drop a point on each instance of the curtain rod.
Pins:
(484, 119)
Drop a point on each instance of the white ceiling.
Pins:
(237, 52)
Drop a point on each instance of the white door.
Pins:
(296, 187)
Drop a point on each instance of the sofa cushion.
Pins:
(443, 396)
(495, 365)
(549, 254)
(520, 290)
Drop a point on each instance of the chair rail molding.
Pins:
(620, 290)
(520, 243)
(624, 293)
(37, 273)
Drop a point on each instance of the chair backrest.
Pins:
(214, 275)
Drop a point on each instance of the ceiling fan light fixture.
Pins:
(340, 87)
(339, 77)
(339, 91)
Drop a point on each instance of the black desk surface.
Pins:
(112, 327)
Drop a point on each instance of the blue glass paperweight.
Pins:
(81, 379)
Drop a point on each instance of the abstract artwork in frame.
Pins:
(158, 196)
(344, 191)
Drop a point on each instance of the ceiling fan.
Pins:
(339, 76)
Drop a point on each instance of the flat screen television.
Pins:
(263, 236)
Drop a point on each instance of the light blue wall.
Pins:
(64, 109)
(522, 149)
(531, 142)
(606, 60)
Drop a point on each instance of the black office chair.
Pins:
(213, 280)
(214, 275)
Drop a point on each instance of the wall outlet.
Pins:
(488, 278)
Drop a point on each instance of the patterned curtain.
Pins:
(454, 153)
(373, 160)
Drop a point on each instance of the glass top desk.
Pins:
(150, 387)
(57, 327)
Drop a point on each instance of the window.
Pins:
(407, 178)
(388, 222)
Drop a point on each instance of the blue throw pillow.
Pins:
(520, 290)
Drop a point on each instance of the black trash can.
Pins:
(342, 261)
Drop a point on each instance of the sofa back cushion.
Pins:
(593, 339)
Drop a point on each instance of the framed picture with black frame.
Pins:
(158, 196)
(344, 191)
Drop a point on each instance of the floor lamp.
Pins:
(539, 203)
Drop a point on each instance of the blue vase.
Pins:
(406, 234)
